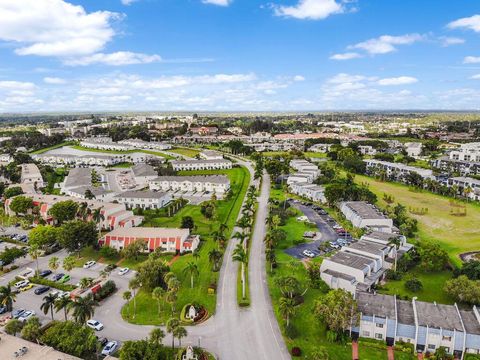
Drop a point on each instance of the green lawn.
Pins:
(158, 153)
(311, 154)
(432, 287)
(44, 150)
(227, 212)
(457, 234)
(185, 152)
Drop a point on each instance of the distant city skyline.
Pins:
(238, 55)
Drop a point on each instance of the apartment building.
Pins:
(143, 174)
(168, 239)
(147, 199)
(467, 186)
(466, 152)
(320, 148)
(309, 191)
(211, 155)
(462, 167)
(364, 215)
(301, 177)
(428, 326)
(271, 146)
(195, 165)
(147, 145)
(78, 160)
(218, 184)
(413, 149)
(304, 166)
(367, 150)
(31, 176)
(105, 143)
(396, 171)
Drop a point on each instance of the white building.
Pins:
(5, 158)
(147, 145)
(143, 174)
(467, 186)
(302, 178)
(397, 171)
(304, 166)
(218, 184)
(211, 155)
(144, 199)
(168, 239)
(31, 176)
(413, 149)
(367, 150)
(190, 165)
(320, 148)
(364, 215)
(105, 143)
(78, 160)
(309, 191)
(467, 152)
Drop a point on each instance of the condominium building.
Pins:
(320, 148)
(31, 176)
(147, 199)
(211, 155)
(467, 152)
(148, 145)
(78, 160)
(428, 326)
(218, 164)
(105, 143)
(414, 149)
(467, 186)
(218, 184)
(143, 173)
(367, 150)
(396, 171)
(364, 215)
(168, 239)
(309, 191)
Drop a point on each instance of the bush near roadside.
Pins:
(54, 284)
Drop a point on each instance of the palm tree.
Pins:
(214, 256)
(134, 284)
(172, 325)
(7, 297)
(196, 255)
(271, 257)
(169, 275)
(173, 284)
(240, 236)
(68, 263)
(48, 303)
(83, 308)
(191, 269)
(34, 253)
(156, 336)
(171, 298)
(241, 256)
(179, 332)
(53, 263)
(157, 294)
(63, 303)
(85, 282)
(98, 217)
(287, 308)
(127, 295)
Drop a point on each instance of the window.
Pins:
(447, 338)
(379, 336)
(366, 333)
(379, 325)
(431, 347)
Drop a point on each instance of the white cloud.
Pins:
(54, 80)
(298, 78)
(218, 2)
(54, 27)
(471, 60)
(471, 23)
(346, 56)
(449, 41)
(128, 2)
(16, 85)
(475, 77)
(401, 80)
(346, 78)
(386, 43)
(115, 59)
(310, 9)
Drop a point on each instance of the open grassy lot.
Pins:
(311, 154)
(432, 287)
(457, 234)
(151, 152)
(185, 152)
(227, 212)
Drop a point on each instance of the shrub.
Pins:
(414, 285)
(244, 303)
(10, 254)
(54, 284)
(296, 351)
(393, 275)
(108, 252)
(106, 290)
(291, 331)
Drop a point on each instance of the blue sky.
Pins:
(239, 55)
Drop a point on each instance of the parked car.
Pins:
(21, 284)
(26, 315)
(57, 277)
(64, 278)
(308, 253)
(27, 287)
(45, 273)
(3, 309)
(123, 271)
(103, 341)
(110, 267)
(94, 324)
(334, 245)
(110, 348)
(17, 313)
(89, 264)
(40, 290)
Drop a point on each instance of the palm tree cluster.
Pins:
(177, 331)
(173, 285)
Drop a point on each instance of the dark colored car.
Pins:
(103, 341)
(42, 289)
(45, 273)
(110, 267)
(57, 277)
(3, 309)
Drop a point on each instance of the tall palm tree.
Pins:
(53, 263)
(287, 308)
(134, 285)
(173, 284)
(192, 269)
(98, 217)
(196, 254)
(171, 298)
(86, 282)
(7, 297)
(241, 236)
(48, 303)
(156, 336)
(83, 309)
(172, 325)
(241, 256)
(127, 295)
(68, 263)
(63, 303)
(157, 294)
(180, 332)
(214, 256)
(34, 253)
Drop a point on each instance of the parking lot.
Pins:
(326, 227)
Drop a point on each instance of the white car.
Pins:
(26, 315)
(22, 284)
(94, 324)
(123, 271)
(308, 253)
(89, 264)
(110, 348)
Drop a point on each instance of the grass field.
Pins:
(185, 152)
(457, 234)
(227, 212)
(158, 153)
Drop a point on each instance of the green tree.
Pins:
(68, 263)
(34, 253)
(63, 211)
(414, 285)
(172, 325)
(151, 273)
(43, 235)
(337, 309)
(187, 223)
(63, 303)
(78, 234)
(21, 204)
(13, 327)
(48, 304)
(32, 329)
(83, 309)
(180, 332)
(7, 297)
(53, 263)
(134, 249)
(215, 256)
(65, 336)
(463, 290)
(191, 269)
(134, 284)
(239, 255)
(12, 191)
(158, 294)
(320, 353)
(127, 295)
(287, 308)
(156, 336)
(432, 256)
